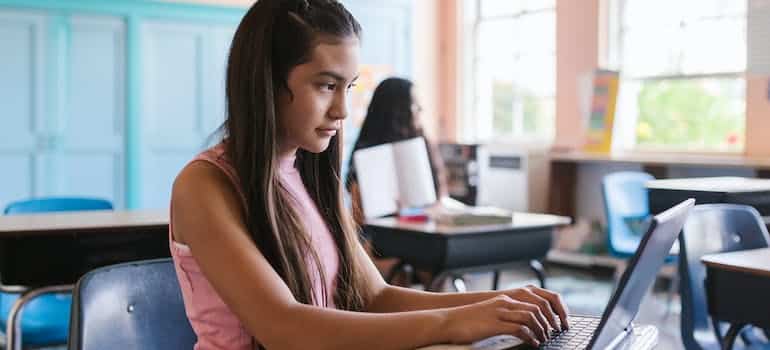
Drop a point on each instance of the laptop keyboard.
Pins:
(576, 337)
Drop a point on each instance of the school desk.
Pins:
(737, 285)
(453, 250)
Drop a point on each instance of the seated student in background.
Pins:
(263, 246)
(393, 115)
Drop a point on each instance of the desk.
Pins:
(737, 284)
(50, 251)
(564, 169)
(664, 194)
(448, 250)
(47, 249)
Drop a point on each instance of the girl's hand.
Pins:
(499, 315)
(549, 303)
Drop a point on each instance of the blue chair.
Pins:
(713, 228)
(45, 317)
(625, 201)
(54, 204)
(136, 305)
(626, 205)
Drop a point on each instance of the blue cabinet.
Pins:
(88, 145)
(22, 132)
(182, 93)
(62, 97)
(112, 98)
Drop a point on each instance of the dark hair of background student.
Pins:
(391, 118)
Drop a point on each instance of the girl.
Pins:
(393, 115)
(265, 252)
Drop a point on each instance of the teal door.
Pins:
(182, 99)
(22, 127)
(62, 106)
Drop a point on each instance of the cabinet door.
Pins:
(89, 145)
(182, 100)
(22, 124)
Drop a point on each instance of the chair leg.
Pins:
(673, 287)
(402, 268)
(732, 334)
(437, 283)
(539, 270)
(13, 329)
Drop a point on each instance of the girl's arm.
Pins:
(398, 299)
(207, 216)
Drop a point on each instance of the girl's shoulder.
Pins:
(207, 178)
(210, 168)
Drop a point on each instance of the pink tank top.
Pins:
(216, 326)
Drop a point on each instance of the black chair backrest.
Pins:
(135, 305)
(711, 228)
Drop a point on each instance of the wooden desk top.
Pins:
(520, 221)
(85, 221)
(672, 158)
(755, 261)
(725, 184)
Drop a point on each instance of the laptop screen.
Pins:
(640, 274)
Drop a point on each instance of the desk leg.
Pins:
(437, 283)
(537, 267)
(732, 333)
(13, 339)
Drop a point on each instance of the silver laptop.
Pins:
(615, 326)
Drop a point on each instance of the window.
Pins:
(682, 67)
(509, 70)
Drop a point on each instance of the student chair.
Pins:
(45, 317)
(713, 228)
(626, 206)
(55, 204)
(625, 203)
(136, 305)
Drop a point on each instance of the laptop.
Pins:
(615, 326)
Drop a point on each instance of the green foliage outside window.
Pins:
(691, 115)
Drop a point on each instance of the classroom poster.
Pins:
(602, 112)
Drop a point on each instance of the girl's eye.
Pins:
(351, 86)
(329, 86)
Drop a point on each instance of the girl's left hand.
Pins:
(549, 302)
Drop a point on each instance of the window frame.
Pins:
(613, 56)
(470, 76)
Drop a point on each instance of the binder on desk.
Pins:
(394, 173)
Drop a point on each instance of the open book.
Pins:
(392, 174)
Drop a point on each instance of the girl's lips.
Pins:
(327, 132)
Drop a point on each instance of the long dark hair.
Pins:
(389, 118)
(273, 37)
